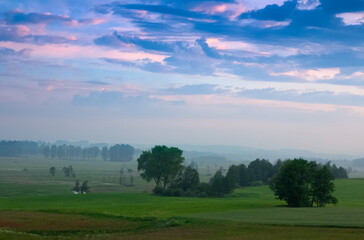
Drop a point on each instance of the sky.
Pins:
(266, 74)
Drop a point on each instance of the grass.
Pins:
(35, 205)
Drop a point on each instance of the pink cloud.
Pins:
(231, 10)
(214, 100)
(74, 51)
(311, 74)
(352, 18)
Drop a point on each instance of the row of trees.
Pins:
(118, 152)
(164, 166)
(298, 182)
(70, 152)
(18, 148)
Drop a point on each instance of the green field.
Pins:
(35, 205)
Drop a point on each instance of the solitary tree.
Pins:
(161, 164)
(301, 184)
(52, 170)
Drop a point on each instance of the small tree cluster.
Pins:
(304, 184)
(337, 172)
(81, 188)
(68, 171)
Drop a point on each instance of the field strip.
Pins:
(329, 216)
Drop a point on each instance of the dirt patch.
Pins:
(40, 221)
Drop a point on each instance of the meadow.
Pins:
(35, 205)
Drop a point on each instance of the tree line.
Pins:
(298, 182)
(116, 153)
(18, 148)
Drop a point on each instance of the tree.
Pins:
(76, 188)
(81, 188)
(105, 153)
(52, 170)
(244, 175)
(323, 187)
(161, 164)
(121, 172)
(46, 151)
(233, 175)
(187, 179)
(301, 184)
(84, 187)
(130, 171)
(68, 171)
(53, 151)
(260, 170)
(220, 185)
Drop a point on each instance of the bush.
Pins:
(178, 192)
(256, 183)
(158, 190)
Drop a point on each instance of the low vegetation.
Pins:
(235, 203)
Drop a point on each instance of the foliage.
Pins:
(301, 184)
(260, 170)
(81, 188)
(337, 172)
(52, 171)
(121, 153)
(105, 153)
(161, 164)
(187, 179)
(18, 148)
(68, 171)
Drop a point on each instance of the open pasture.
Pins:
(35, 205)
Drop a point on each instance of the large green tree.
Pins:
(302, 184)
(161, 164)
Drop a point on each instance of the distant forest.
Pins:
(116, 153)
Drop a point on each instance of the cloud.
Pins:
(20, 33)
(16, 17)
(8, 52)
(307, 4)
(19, 17)
(339, 6)
(199, 89)
(327, 97)
(164, 9)
(210, 52)
(110, 41)
(69, 51)
(149, 44)
(141, 104)
(272, 12)
(311, 74)
(143, 64)
(352, 18)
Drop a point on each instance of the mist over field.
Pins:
(160, 119)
